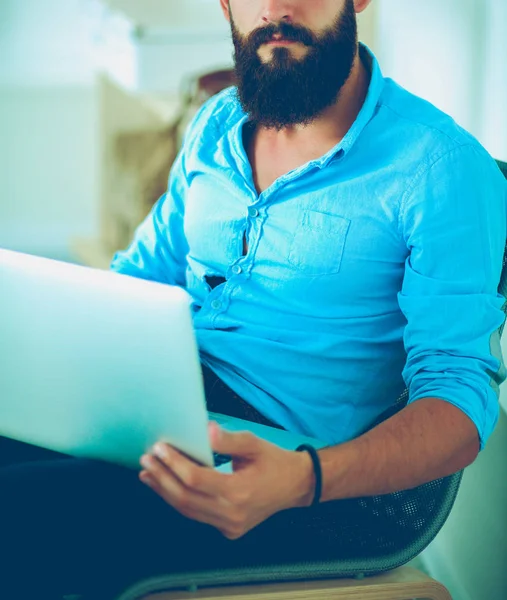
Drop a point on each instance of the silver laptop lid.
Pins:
(97, 364)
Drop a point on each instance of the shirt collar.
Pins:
(368, 109)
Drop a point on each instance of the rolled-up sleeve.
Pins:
(453, 220)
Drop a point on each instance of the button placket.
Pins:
(252, 228)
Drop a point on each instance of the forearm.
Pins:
(426, 440)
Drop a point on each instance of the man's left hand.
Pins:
(265, 480)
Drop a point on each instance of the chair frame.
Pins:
(404, 583)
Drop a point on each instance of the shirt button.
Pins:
(253, 212)
(236, 269)
(216, 304)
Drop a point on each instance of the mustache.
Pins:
(289, 32)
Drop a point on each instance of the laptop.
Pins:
(101, 365)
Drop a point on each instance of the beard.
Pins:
(287, 91)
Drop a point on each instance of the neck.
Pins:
(331, 126)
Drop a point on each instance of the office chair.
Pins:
(368, 541)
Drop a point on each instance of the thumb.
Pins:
(242, 443)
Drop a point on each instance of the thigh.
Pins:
(82, 526)
(74, 526)
(15, 452)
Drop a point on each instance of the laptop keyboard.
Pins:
(221, 459)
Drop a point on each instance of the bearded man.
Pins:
(341, 240)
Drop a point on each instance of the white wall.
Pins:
(454, 54)
(46, 42)
(171, 13)
(492, 94)
(169, 40)
(167, 56)
(47, 167)
(47, 125)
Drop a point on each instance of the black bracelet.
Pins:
(317, 468)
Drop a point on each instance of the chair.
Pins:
(369, 539)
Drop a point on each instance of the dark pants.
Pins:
(75, 526)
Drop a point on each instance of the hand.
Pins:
(265, 479)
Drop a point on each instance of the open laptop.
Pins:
(101, 365)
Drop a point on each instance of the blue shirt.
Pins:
(372, 268)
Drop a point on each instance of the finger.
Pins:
(203, 479)
(214, 511)
(237, 444)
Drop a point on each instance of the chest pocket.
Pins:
(318, 243)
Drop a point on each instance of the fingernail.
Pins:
(161, 450)
(145, 461)
(215, 429)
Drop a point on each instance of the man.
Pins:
(340, 239)
(359, 234)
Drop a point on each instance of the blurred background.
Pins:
(95, 95)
